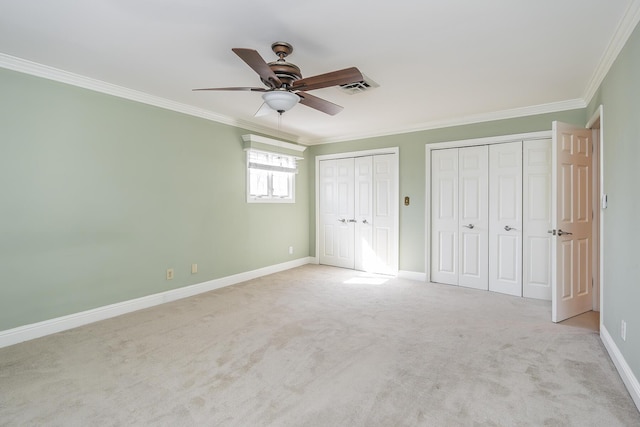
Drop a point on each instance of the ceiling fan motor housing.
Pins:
(286, 71)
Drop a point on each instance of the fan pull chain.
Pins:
(280, 124)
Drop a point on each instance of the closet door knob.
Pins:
(342, 220)
(470, 226)
(507, 228)
(364, 221)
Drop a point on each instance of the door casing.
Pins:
(596, 124)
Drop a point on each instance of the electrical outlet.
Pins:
(290, 250)
(194, 268)
(623, 330)
(169, 273)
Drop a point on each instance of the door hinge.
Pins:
(592, 283)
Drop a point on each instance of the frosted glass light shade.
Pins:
(280, 100)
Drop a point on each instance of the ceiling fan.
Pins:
(285, 86)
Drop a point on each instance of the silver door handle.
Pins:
(507, 228)
(364, 221)
(562, 233)
(342, 220)
(470, 226)
(352, 220)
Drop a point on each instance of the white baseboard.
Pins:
(629, 379)
(412, 275)
(59, 324)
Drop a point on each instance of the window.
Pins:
(270, 177)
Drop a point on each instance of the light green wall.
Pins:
(100, 195)
(413, 172)
(620, 96)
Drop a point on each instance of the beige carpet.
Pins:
(320, 346)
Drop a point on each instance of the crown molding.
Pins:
(55, 74)
(553, 107)
(626, 26)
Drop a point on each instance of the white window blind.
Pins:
(270, 177)
(271, 161)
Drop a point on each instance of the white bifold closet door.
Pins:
(459, 215)
(358, 213)
(490, 213)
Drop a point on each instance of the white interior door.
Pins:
(336, 211)
(473, 217)
(572, 281)
(444, 216)
(537, 219)
(505, 218)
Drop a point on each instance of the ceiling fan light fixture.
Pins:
(280, 100)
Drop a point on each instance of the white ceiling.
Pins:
(437, 62)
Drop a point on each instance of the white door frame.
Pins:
(457, 144)
(597, 119)
(389, 150)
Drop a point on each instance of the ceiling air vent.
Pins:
(358, 87)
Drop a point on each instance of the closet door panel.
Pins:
(385, 213)
(505, 212)
(365, 255)
(537, 219)
(444, 216)
(328, 211)
(473, 221)
(336, 208)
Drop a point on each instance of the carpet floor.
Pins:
(320, 346)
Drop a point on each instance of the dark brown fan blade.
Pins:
(252, 89)
(334, 78)
(319, 103)
(255, 61)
